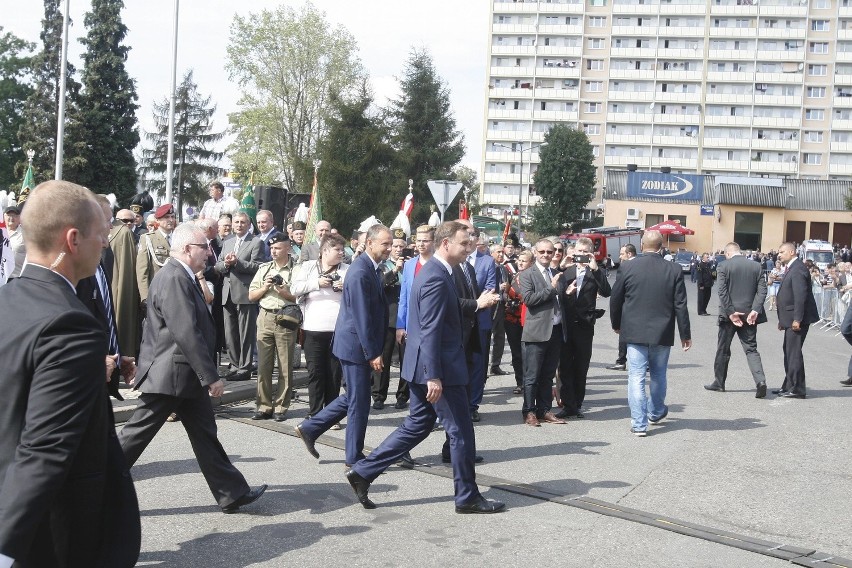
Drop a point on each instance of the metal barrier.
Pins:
(827, 306)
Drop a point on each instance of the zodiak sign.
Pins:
(680, 187)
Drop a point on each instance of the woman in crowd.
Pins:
(514, 326)
(318, 286)
(774, 281)
(558, 255)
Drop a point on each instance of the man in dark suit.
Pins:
(486, 281)
(177, 371)
(742, 291)
(648, 296)
(578, 289)
(796, 312)
(435, 366)
(358, 343)
(542, 336)
(214, 246)
(240, 258)
(265, 230)
(704, 281)
(66, 498)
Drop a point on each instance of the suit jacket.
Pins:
(433, 348)
(467, 302)
(359, 333)
(310, 251)
(177, 357)
(742, 287)
(486, 279)
(125, 288)
(795, 299)
(578, 307)
(704, 274)
(152, 255)
(266, 255)
(540, 298)
(66, 497)
(236, 279)
(404, 291)
(647, 298)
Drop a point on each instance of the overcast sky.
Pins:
(454, 32)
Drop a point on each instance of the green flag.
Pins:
(27, 186)
(247, 204)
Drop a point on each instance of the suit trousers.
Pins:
(541, 358)
(196, 415)
(240, 331)
(846, 330)
(514, 331)
(477, 377)
(324, 372)
(454, 411)
(622, 352)
(353, 404)
(703, 299)
(274, 342)
(574, 366)
(794, 362)
(498, 335)
(381, 380)
(748, 339)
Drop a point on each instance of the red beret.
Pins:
(164, 210)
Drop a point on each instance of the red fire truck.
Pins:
(607, 240)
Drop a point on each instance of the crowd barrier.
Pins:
(832, 307)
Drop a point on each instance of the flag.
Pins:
(314, 211)
(247, 204)
(27, 186)
(508, 225)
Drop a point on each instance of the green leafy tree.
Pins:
(291, 66)
(108, 105)
(38, 129)
(357, 162)
(195, 159)
(565, 179)
(424, 130)
(470, 192)
(15, 67)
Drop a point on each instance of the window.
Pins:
(597, 2)
(593, 107)
(817, 70)
(592, 129)
(812, 158)
(822, 4)
(594, 64)
(748, 229)
(816, 92)
(813, 136)
(819, 47)
(594, 86)
(814, 114)
(597, 21)
(819, 26)
(596, 43)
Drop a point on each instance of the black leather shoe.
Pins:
(240, 377)
(378, 404)
(309, 443)
(481, 506)
(361, 487)
(280, 417)
(761, 390)
(406, 461)
(262, 416)
(400, 404)
(474, 416)
(778, 391)
(497, 371)
(714, 387)
(847, 382)
(564, 415)
(617, 367)
(228, 375)
(792, 395)
(449, 459)
(250, 497)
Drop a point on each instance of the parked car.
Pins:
(684, 259)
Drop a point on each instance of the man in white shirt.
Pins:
(218, 203)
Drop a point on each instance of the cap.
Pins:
(511, 239)
(279, 237)
(299, 226)
(399, 234)
(164, 210)
(13, 210)
(136, 208)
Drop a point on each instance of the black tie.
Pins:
(105, 299)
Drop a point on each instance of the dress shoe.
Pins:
(847, 382)
(406, 461)
(400, 404)
(449, 459)
(638, 433)
(497, 371)
(618, 367)
(531, 419)
(474, 416)
(361, 487)
(250, 497)
(240, 377)
(792, 395)
(659, 418)
(261, 416)
(173, 417)
(481, 506)
(778, 391)
(309, 443)
(551, 418)
(280, 417)
(761, 390)
(378, 405)
(714, 387)
(565, 415)
(336, 426)
(229, 374)
(517, 390)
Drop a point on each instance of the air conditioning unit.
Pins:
(632, 214)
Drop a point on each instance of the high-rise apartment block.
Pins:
(727, 87)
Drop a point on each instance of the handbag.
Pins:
(289, 317)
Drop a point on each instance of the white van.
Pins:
(820, 252)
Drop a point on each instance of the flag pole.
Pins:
(170, 153)
(63, 77)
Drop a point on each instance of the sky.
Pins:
(455, 32)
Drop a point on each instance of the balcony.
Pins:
(677, 97)
(727, 120)
(844, 147)
(504, 177)
(774, 167)
(682, 9)
(507, 136)
(797, 11)
(643, 31)
(637, 52)
(628, 117)
(734, 10)
(681, 53)
(560, 29)
(641, 96)
(627, 139)
(512, 71)
(633, 9)
(776, 100)
(641, 161)
(678, 163)
(840, 169)
(510, 93)
(558, 94)
(560, 115)
(672, 75)
(676, 118)
(730, 76)
(682, 31)
(739, 33)
(722, 142)
(774, 144)
(842, 102)
(515, 50)
(572, 8)
(727, 99)
(782, 33)
(843, 56)
(844, 34)
(730, 55)
(563, 72)
(515, 7)
(781, 55)
(514, 29)
(786, 78)
(841, 124)
(726, 165)
(495, 113)
(776, 122)
(560, 51)
(646, 74)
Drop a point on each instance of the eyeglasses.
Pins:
(422, 242)
(199, 245)
(545, 251)
(128, 221)
(558, 250)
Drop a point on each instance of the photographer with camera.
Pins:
(578, 288)
(277, 326)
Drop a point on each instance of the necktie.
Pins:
(237, 245)
(103, 285)
(211, 252)
(469, 281)
(550, 274)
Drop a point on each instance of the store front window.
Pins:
(748, 230)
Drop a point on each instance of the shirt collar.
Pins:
(444, 262)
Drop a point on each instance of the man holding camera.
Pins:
(276, 330)
(578, 288)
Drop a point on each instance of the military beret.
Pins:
(299, 226)
(164, 210)
(279, 237)
(13, 210)
(399, 234)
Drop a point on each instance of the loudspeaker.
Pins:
(273, 199)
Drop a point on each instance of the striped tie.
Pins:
(107, 302)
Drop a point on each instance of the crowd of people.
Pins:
(158, 305)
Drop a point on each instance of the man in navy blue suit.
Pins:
(358, 343)
(435, 366)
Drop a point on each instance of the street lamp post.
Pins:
(520, 152)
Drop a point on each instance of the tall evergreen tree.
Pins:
(425, 132)
(38, 129)
(108, 105)
(195, 159)
(565, 179)
(15, 68)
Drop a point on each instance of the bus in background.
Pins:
(607, 240)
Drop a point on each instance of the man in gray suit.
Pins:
(177, 371)
(542, 337)
(239, 260)
(647, 298)
(742, 291)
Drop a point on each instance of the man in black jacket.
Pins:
(704, 276)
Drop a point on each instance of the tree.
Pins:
(291, 66)
(38, 129)
(355, 178)
(195, 160)
(565, 179)
(15, 66)
(108, 105)
(467, 176)
(424, 129)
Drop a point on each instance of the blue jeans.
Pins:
(642, 358)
